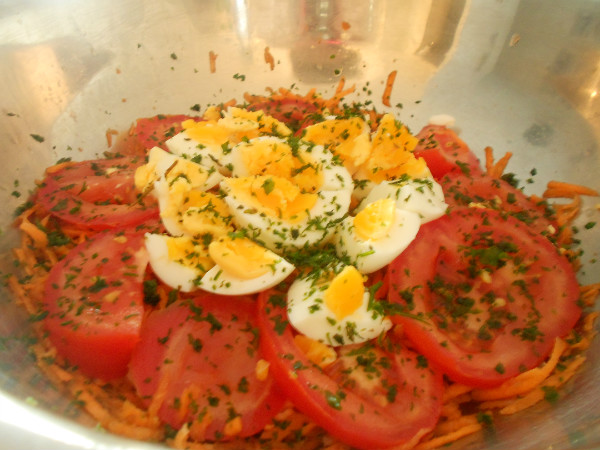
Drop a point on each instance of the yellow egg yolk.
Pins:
(322, 355)
(195, 174)
(274, 196)
(239, 124)
(391, 153)
(199, 213)
(345, 292)
(266, 124)
(347, 138)
(375, 221)
(187, 252)
(145, 176)
(206, 132)
(273, 157)
(241, 257)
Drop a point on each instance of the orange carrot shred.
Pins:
(389, 84)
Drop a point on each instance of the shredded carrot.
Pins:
(212, 61)
(558, 189)
(456, 390)
(589, 293)
(57, 167)
(540, 393)
(451, 426)
(440, 441)
(38, 236)
(495, 170)
(566, 213)
(109, 136)
(526, 381)
(451, 410)
(269, 58)
(389, 84)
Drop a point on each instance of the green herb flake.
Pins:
(550, 394)
(268, 185)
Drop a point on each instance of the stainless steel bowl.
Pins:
(520, 76)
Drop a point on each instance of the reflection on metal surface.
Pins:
(44, 80)
(441, 29)
(18, 415)
(345, 38)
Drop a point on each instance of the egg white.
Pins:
(423, 196)
(205, 153)
(163, 188)
(165, 160)
(170, 272)
(373, 254)
(219, 281)
(309, 314)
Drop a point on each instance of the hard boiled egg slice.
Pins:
(214, 139)
(335, 311)
(179, 186)
(243, 267)
(311, 167)
(163, 166)
(239, 118)
(376, 235)
(391, 154)
(276, 213)
(179, 262)
(423, 196)
(347, 138)
(186, 212)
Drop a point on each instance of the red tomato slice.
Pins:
(445, 152)
(199, 357)
(461, 190)
(97, 194)
(371, 397)
(489, 296)
(155, 131)
(94, 298)
(296, 113)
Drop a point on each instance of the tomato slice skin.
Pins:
(461, 190)
(97, 194)
(444, 152)
(349, 411)
(483, 328)
(155, 131)
(94, 298)
(203, 351)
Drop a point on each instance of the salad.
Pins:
(295, 271)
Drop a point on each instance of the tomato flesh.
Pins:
(444, 152)
(200, 355)
(488, 295)
(371, 397)
(97, 194)
(461, 190)
(94, 298)
(155, 131)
